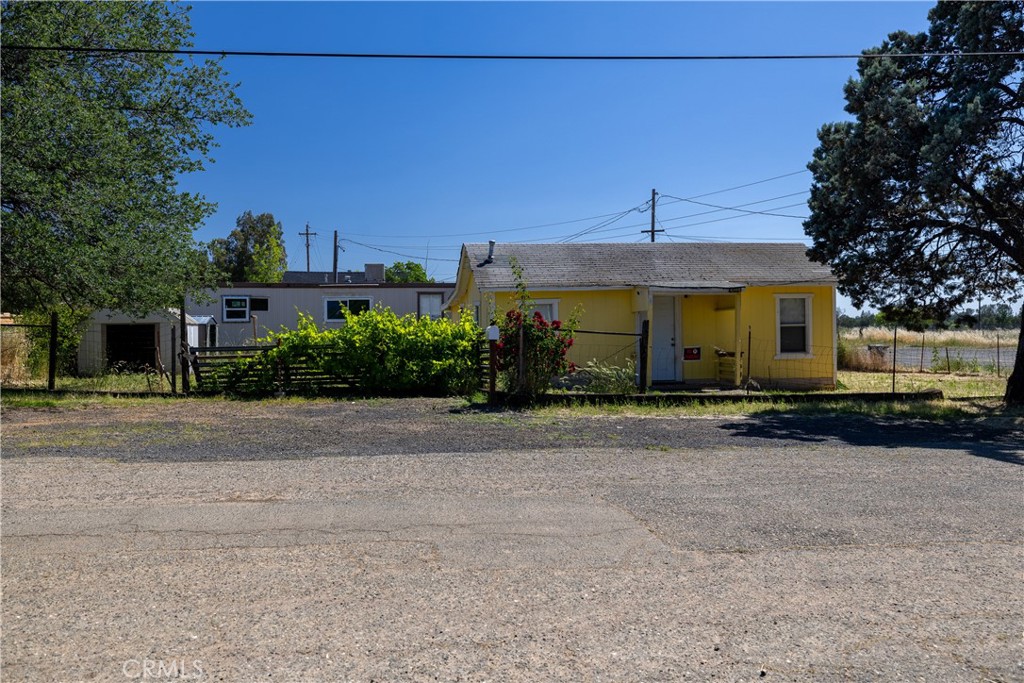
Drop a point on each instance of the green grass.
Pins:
(952, 386)
(966, 396)
(135, 382)
(76, 401)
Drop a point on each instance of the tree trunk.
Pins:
(1015, 384)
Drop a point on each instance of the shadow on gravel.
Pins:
(1004, 445)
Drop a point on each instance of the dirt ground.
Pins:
(424, 540)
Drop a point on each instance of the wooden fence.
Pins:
(218, 369)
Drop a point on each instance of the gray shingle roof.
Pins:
(696, 265)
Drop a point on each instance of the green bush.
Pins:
(409, 354)
(609, 379)
(545, 345)
(382, 352)
(71, 325)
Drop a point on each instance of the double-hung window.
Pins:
(335, 307)
(793, 325)
(429, 304)
(547, 307)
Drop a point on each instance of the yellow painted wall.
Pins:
(758, 311)
(600, 310)
(707, 321)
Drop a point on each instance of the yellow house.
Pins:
(717, 313)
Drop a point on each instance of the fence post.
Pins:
(998, 374)
(184, 350)
(51, 379)
(922, 353)
(281, 371)
(894, 330)
(645, 334)
(492, 369)
(949, 364)
(174, 360)
(750, 338)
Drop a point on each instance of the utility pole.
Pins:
(654, 201)
(307, 235)
(335, 257)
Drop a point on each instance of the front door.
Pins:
(664, 365)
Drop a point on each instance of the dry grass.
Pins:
(952, 386)
(14, 349)
(987, 339)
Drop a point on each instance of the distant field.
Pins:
(961, 338)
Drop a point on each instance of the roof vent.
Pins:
(490, 254)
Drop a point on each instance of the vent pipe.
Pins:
(490, 255)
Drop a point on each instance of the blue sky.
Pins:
(416, 157)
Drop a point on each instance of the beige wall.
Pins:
(92, 350)
(286, 303)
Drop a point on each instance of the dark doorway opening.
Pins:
(131, 347)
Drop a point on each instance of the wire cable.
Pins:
(388, 251)
(504, 57)
(736, 208)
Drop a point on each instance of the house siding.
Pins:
(706, 319)
(285, 304)
(759, 313)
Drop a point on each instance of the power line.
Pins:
(491, 232)
(602, 224)
(738, 187)
(503, 57)
(641, 207)
(703, 213)
(388, 251)
(736, 208)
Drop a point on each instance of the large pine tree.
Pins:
(918, 202)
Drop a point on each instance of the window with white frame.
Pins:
(547, 307)
(429, 304)
(235, 309)
(335, 307)
(793, 324)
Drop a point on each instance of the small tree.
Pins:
(253, 252)
(406, 271)
(531, 350)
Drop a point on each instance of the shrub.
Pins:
(531, 350)
(384, 353)
(609, 379)
(409, 354)
(71, 325)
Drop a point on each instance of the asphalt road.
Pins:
(417, 541)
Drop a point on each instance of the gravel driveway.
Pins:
(420, 540)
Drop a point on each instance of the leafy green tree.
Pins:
(406, 271)
(92, 143)
(862, 319)
(253, 252)
(998, 315)
(918, 202)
